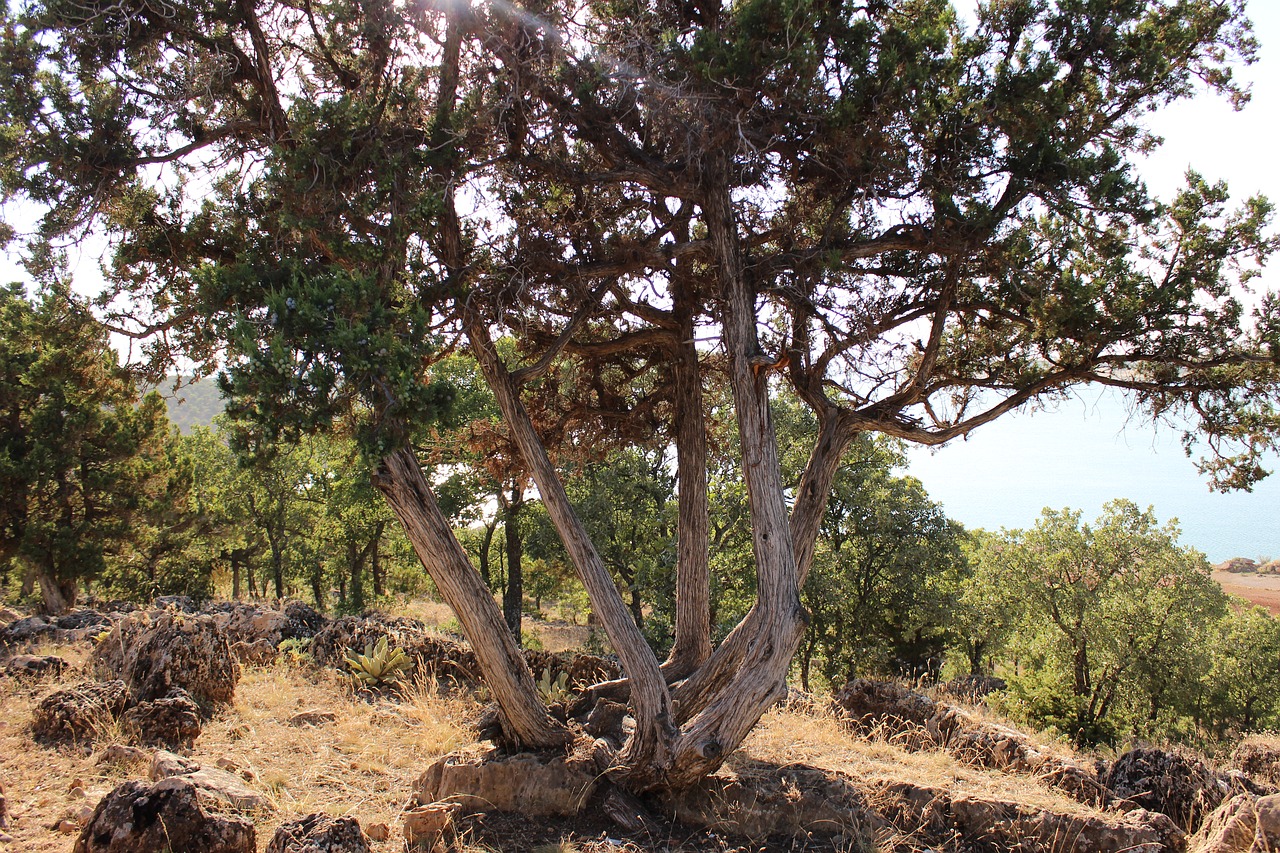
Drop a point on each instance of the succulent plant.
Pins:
(380, 666)
(554, 689)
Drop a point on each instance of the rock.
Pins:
(180, 603)
(172, 721)
(426, 826)
(319, 833)
(1260, 759)
(432, 654)
(80, 713)
(883, 705)
(4, 808)
(7, 615)
(485, 780)
(30, 667)
(605, 720)
(118, 753)
(974, 687)
(378, 831)
(245, 623)
(1015, 826)
(1243, 824)
(314, 717)
(303, 620)
(157, 652)
(26, 630)
(81, 619)
(215, 786)
(1167, 782)
(167, 815)
(257, 653)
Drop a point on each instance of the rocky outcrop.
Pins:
(167, 815)
(217, 787)
(484, 780)
(26, 630)
(427, 827)
(319, 833)
(171, 721)
(81, 713)
(1177, 785)
(890, 711)
(154, 653)
(434, 655)
(256, 653)
(1242, 824)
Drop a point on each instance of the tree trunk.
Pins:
(524, 717)
(56, 595)
(355, 564)
(485, 545)
(647, 754)
(513, 592)
(375, 561)
(235, 574)
(317, 586)
(738, 697)
(692, 644)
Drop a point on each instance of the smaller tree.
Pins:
(1244, 682)
(80, 453)
(1116, 619)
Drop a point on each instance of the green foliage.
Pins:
(296, 651)
(1116, 622)
(381, 666)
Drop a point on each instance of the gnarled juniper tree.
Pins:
(920, 224)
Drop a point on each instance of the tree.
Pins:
(918, 225)
(1117, 620)
(83, 458)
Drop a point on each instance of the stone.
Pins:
(425, 827)
(171, 721)
(156, 652)
(180, 603)
(319, 833)
(1167, 782)
(973, 688)
(433, 655)
(167, 815)
(80, 713)
(1259, 758)
(256, 653)
(303, 620)
(217, 787)
(1243, 824)
(26, 630)
(378, 831)
(485, 780)
(313, 717)
(31, 667)
(81, 619)
(118, 753)
(4, 808)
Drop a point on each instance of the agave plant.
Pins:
(554, 689)
(380, 666)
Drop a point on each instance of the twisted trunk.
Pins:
(524, 717)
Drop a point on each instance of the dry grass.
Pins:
(818, 739)
(361, 764)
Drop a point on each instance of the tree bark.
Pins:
(524, 717)
(647, 754)
(692, 645)
(56, 595)
(375, 561)
(739, 696)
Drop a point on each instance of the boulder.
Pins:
(171, 721)
(1259, 758)
(869, 704)
(485, 780)
(167, 815)
(26, 630)
(30, 667)
(154, 653)
(319, 833)
(244, 623)
(180, 603)
(973, 688)
(80, 713)
(1242, 824)
(995, 825)
(427, 826)
(302, 620)
(256, 653)
(216, 787)
(81, 619)
(1167, 782)
(433, 654)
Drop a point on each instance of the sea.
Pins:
(1085, 452)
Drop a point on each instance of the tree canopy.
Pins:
(917, 223)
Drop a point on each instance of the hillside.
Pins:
(194, 404)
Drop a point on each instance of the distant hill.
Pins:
(194, 404)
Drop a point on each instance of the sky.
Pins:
(1087, 451)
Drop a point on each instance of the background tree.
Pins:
(82, 458)
(918, 224)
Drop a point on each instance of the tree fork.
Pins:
(524, 716)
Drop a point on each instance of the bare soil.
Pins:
(1260, 589)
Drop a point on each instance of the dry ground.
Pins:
(363, 763)
(1262, 590)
